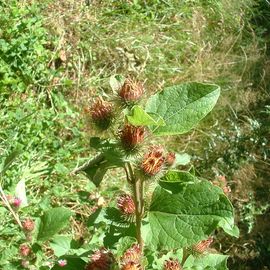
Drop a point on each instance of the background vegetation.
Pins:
(56, 56)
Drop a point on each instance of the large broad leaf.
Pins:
(138, 117)
(182, 106)
(61, 244)
(206, 262)
(52, 222)
(177, 180)
(189, 214)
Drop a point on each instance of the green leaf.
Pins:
(206, 262)
(181, 159)
(95, 168)
(9, 160)
(10, 266)
(52, 222)
(7, 254)
(97, 217)
(98, 166)
(97, 172)
(114, 216)
(116, 82)
(226, 225)
(138, 117)
(61, 245)
(187, 215)
(72, 263)
(182, 106)
(177, 180)
(101, 144)
(110, 157)
(115, 233)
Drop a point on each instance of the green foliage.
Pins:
(110, 157)
(184, 209)
(61, 245)
(72, 262)
(124, 244)
(181, 159)
(250, 210)
(52, 222)
(173, 42)
(207, 262)
(23, 52)
(8, 161)
(37, 138)
(184, 216)
(239, 143)
(138, 117)
(182, 106)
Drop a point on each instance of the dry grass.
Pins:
(98, 42)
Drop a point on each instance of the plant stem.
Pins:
(6, 202)
(138, 207)
(185, 255)
(137, 186)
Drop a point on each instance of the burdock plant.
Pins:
(184, 210)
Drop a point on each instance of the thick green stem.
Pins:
(138, 207)
(137, 186)
(142, 198)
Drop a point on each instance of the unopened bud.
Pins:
(131, 266)
(172, 264)
(222, 183)
(126, 204)
(101, 202)
(25, 263)
(153, 161)
(133, 254)
(170, 158)
(131, 91)
(62, 263)
(28, 225)
(102, 259)
(16, 202)
(102, 113)
(227, 190)
(25, 250)
(131, 136)
(203, 245)
(222, 179)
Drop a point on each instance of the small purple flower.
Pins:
(62, 263)
(16, 202)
